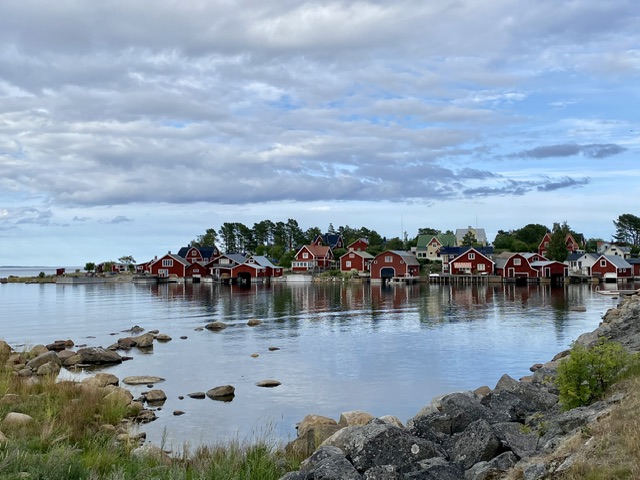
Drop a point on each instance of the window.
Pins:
(167, 262)
(472, 256)
(347, 264)
(481, 267)
(305, 255)
(388, 259)
(603, 263)
(517, 261)
(351, 255)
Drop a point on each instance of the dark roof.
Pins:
(206, 252)
(460, 250)
(331, 239)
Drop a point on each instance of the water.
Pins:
(385, 350)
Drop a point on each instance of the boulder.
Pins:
(102, 380)
(16, 420)
(475, 444)
(51, 368)
(312, 420)
(268, 383)
(215, 326)
(5, 350)
(378, 444)
(38, 350)
(493, 468)
(142, 380)
(155, 396)
(221, 392)
(94, 356)
(144, 341)
(198, 395)
(335, 467)
(10, 399)
(436, 469)
(392, 420)
(42, 359)
(163, 337)
(354, 417)
(254, 322)
(518, 438)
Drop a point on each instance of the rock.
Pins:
(183, 337)
(38, 350)
(10, 399)
(319, 455)
(382, 472)
(436, 469)
(354, 417)
(312, 420)
(102, 380)
(254, 355)
(155, 396)
(16, 420)
(215, 326)
(51, 368)
(482, 391)
(491, 469)
(145, 416)
(516, 437)
(475, 444)
(224, 391)
(94, 356)
(118, 395)
(578, 308)
(268, 383)
(3, 438)
(335, 467)
(273, 349)
(134, 329)
(312, 438)
(382, 444)
(177, 413)
(142, 380)
(144, 341)
(392, 420)
(163, 337)
(535, 367)
(505, 383)
(64, 355)
(5, 350)
(43, 359)
(57, 346)
(197, 395)
(254, 322)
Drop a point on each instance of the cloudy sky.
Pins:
(129, 127)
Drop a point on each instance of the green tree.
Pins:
(585, 376)
(208, 239)
(592, 244)
(504, 241)
(128, 261)
(89, 267)
(311, 233)
(469, 239)
(228, 237)
(531, 234)
(558, 244)
(627, 229)
(394, 243)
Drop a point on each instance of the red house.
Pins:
(551, 269)
(471, 262)
(570, 242)
(394, 264)
(196, 271)
(169, 265)
(198, 254)
(271, 270)
(248, 272)
(612, 267)
(356, 260)
(360, 245)
(221, 265)
(516, 266)
(312, 257)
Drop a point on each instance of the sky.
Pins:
(130, 127)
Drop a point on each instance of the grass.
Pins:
(69, 439)
(614, 449)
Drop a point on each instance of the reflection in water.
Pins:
(334, 347)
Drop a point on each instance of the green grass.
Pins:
(68, 440)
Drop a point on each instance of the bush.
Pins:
(587, 373)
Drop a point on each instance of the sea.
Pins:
(334, 347)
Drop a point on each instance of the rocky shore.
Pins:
(517, 430)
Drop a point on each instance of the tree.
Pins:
(504, 241)
(208, 239)
(228, 237)
(469, 239)
(627, 229)
(531, 234)
(311, 233)
(394, 243)
(128, 261)
(89, 267)
(558, 244)
(428, 231)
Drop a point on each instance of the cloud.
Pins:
(570, 150)
(119, 219)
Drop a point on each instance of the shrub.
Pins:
(587, 373)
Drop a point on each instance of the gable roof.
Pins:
(408, 257)
(616, 260)
(331, 239)
(318, 251)
(481, 236)
(262, 261)
(174, 257)
(363, 254)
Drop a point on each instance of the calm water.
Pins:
(386, 350)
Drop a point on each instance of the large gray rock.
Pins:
(476, 444)
(142, 380)
(436, 469)
(94, 356)
(43, 359)
(491, 469)
(518, 438)
(378, 444)
(221, 392)
(336, 468)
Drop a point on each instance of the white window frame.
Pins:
(167, 262)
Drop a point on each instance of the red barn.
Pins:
(517, 266)
(394, 264)
(570, 242)
(611, 267)
(169, 265)
(356, 260)
(360, 245)
(471, 262)
(551, 269)
(271, 269)
(196, 271)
